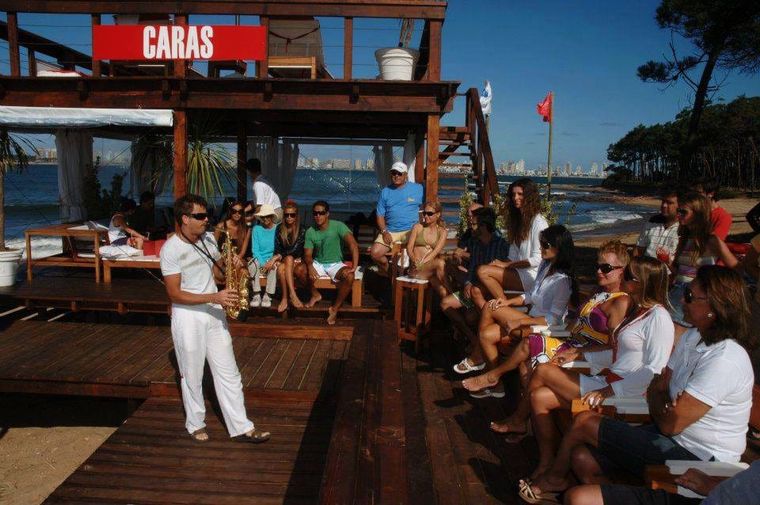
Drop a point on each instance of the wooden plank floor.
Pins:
(151, 459)
(137, 361)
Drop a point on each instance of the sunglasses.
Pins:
(544, 244)
(628, 275)
(250, 212)
(606, 268)
(688, 295)
(200, 216)
(396, 174)
(681, 211)
(237, 211)
(290, 214)
(319, 212)
(427, 213)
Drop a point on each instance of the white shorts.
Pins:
(328, 270)
(592, 383)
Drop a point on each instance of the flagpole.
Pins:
(549, 156)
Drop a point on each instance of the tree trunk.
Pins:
(687, 150)
(2, 210)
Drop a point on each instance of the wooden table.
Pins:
(70, 256)
(411, 325)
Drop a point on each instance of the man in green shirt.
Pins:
(323, 255)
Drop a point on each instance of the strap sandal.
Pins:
(200, 435)
(527, 494)
(465, 366)
(256, 437)
(488, 392)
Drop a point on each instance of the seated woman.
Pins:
(641, 346)
(548, 298)
(233, 226)
(263, 261)
(598, 318)
(289, 238)
(700, 405)
(119, 233)
(426, 241)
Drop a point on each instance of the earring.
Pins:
(709, 314)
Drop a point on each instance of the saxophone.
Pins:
(235, 280)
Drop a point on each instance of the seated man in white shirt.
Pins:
(659, 238)
(263, 192)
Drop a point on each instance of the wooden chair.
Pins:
(412, 325)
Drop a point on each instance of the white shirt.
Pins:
(655, 235)
(180, 257)
(263, 193)
(530, 248)
(549, 296)
(719, 375)
(643, 348)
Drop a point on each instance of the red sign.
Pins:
(175, 42)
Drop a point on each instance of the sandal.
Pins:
(464, 367)
(255, 437)
(200, 435)
(527, 494)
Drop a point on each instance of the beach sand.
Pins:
(44, 439)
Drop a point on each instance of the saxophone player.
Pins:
(191, 266)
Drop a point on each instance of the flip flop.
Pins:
(199, 433)
(464, 367)
(257, 437)
(528, 495)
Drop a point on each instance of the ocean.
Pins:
(31, 198)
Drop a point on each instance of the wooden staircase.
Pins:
(465, 161)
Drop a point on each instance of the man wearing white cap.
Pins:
(397, 212)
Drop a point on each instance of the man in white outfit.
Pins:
(263, 192)
(191, 267)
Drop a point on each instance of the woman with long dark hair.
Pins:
(524, 224)
(235, 226)
(288, 251)
(549, 297)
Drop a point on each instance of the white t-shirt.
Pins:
(719, 375)
(549, 296)
(656, 235)
(643, 348)
(180, 257)
(264, 193)
(530, 250)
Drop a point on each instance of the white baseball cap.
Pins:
(400, 166)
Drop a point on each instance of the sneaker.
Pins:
(488, 392)
(256, 301)
(266, 301)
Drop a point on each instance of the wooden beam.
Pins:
(96, 70)
(419, 161)
(180, 66)
(32, 58)
(394, 9)
(180, 153)
(13, 52)
(431, 168)
(348, 48)
(434, 59)
(262, 67)
(242, 152)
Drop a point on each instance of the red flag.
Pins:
(545, 108)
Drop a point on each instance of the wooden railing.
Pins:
(482, 164)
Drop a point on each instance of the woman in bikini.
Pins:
(235, 226)
(426, 241)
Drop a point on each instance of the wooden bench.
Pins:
(326, 283)
(141, 262)
(71, 256)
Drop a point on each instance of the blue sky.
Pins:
(586, 52)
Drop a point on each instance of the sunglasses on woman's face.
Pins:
(250, 212)
(681, 211)
(628, 275)
(606, 268)
(290, 214)
(427, 213)
(237, 211)
(688, 295)
(544, 244)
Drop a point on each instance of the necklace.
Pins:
(203, 252)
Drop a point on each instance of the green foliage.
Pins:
(13, 157)
(464, 203)
(547, 206)
(101, 203)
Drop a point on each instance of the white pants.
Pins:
(200, 332)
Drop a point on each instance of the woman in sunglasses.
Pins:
(288, 252)
(234, 225)
(554, 289)
(526, 222)
(697, 246)
(426, 241)
(700, 405)
(597, 319)
(641, 345)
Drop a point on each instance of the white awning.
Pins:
(62, 117)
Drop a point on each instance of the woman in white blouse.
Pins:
(526, 223)
(548, 299)
(641, 347)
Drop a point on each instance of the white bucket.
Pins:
(396, 63)
(9, 261)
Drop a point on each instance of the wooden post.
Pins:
(431, 170)
(348, 48)
(13, 53)
(32, 62)
(180, 153)
(180, 66)
(549, 155)
(262, 67)
(95, 63)
(419, 161)
(434, 62)
(242, 151)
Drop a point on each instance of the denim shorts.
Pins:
(632, 448)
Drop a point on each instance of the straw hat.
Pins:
(265, 210)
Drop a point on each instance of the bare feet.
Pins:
(482, 381)
(315, 298)
(283, 306)
(540, 471)
(295, 301)
(515, 430)
(200, 435)
(547, 483)
(332, 316)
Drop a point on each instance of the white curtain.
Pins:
(74, 149)
(410, 155)
(278, 162)
(383, 162)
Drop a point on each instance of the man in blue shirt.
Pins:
(397, 211)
